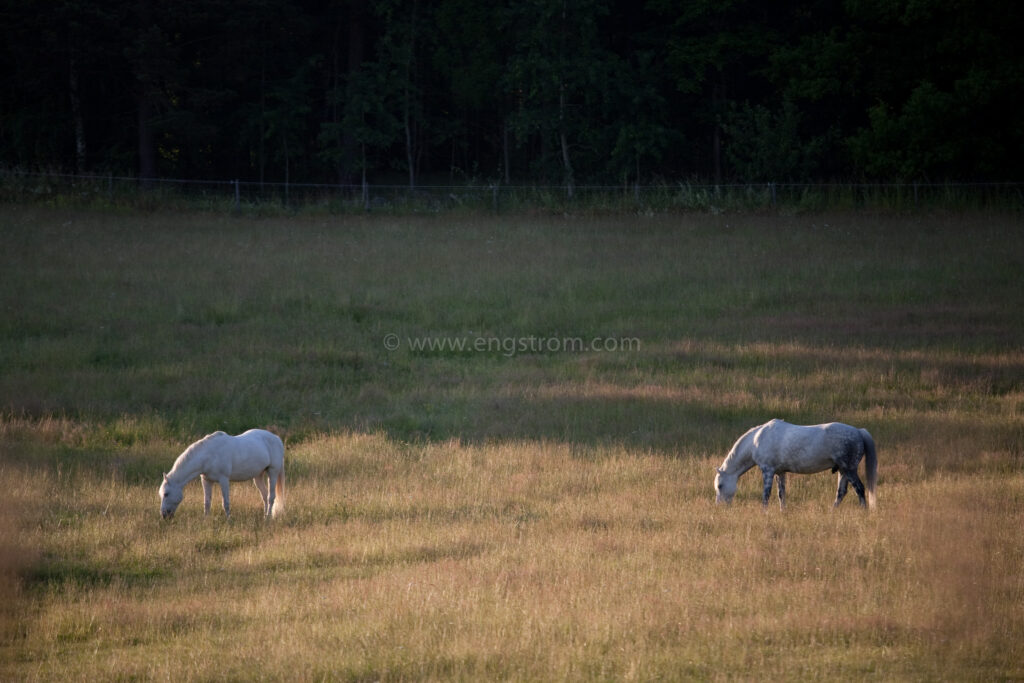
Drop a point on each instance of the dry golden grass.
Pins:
(517, 560)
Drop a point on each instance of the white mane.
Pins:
(741, 454)
(194, 448)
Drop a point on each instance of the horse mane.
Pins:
(194, 448)
(739, 449)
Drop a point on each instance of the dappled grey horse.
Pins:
(778, 447)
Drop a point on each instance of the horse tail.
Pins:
(278, 445)
(280, 487)
(871, 465)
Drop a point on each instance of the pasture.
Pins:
(525, 510)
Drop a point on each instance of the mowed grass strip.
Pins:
(468, 515)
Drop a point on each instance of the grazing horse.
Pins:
(257, 454)
(778, 447)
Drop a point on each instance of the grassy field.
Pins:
(501, 435)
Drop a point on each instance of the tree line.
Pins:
(556, 91)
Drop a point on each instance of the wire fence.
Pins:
(240, 195)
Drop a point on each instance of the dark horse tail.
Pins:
(870, 465)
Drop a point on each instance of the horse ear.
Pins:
(717, 469)
(165, 477)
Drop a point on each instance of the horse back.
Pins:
(268, 441)
(244, 456)
(805, 449)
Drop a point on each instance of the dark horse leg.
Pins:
(782, 490)
(768, 476)
(840, 490)
(858, 486)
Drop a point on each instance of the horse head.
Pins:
(725, 486)
(170, 498)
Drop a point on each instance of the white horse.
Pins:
(257, 454)
(778, 447)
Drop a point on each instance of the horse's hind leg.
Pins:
(272, 477)
(261, 484)
(225, 493)
(840, 490)
(782, 490)
(858, 486)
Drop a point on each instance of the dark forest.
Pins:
(561, 91)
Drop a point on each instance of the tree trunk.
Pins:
(409, 157)
(349, 146)
(366, 189)
(410, 153)
(570, 184)
(145, 76)
(76, 116)
(636, 187)
(717, 104)
(505, 151)
(147, 146)
(716, 151)
(287, 178)
(263, 117)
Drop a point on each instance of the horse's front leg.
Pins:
(207, 493)
(225, 487)
(768, 475)
(782, 490)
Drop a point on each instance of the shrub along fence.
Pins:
(239, 195)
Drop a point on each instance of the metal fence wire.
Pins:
(497, 197)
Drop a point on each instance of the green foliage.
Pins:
(767, 146)
(905, 144)
(569, 91)
(368, 118)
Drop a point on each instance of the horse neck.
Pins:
(740, 458)
(187, 467)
